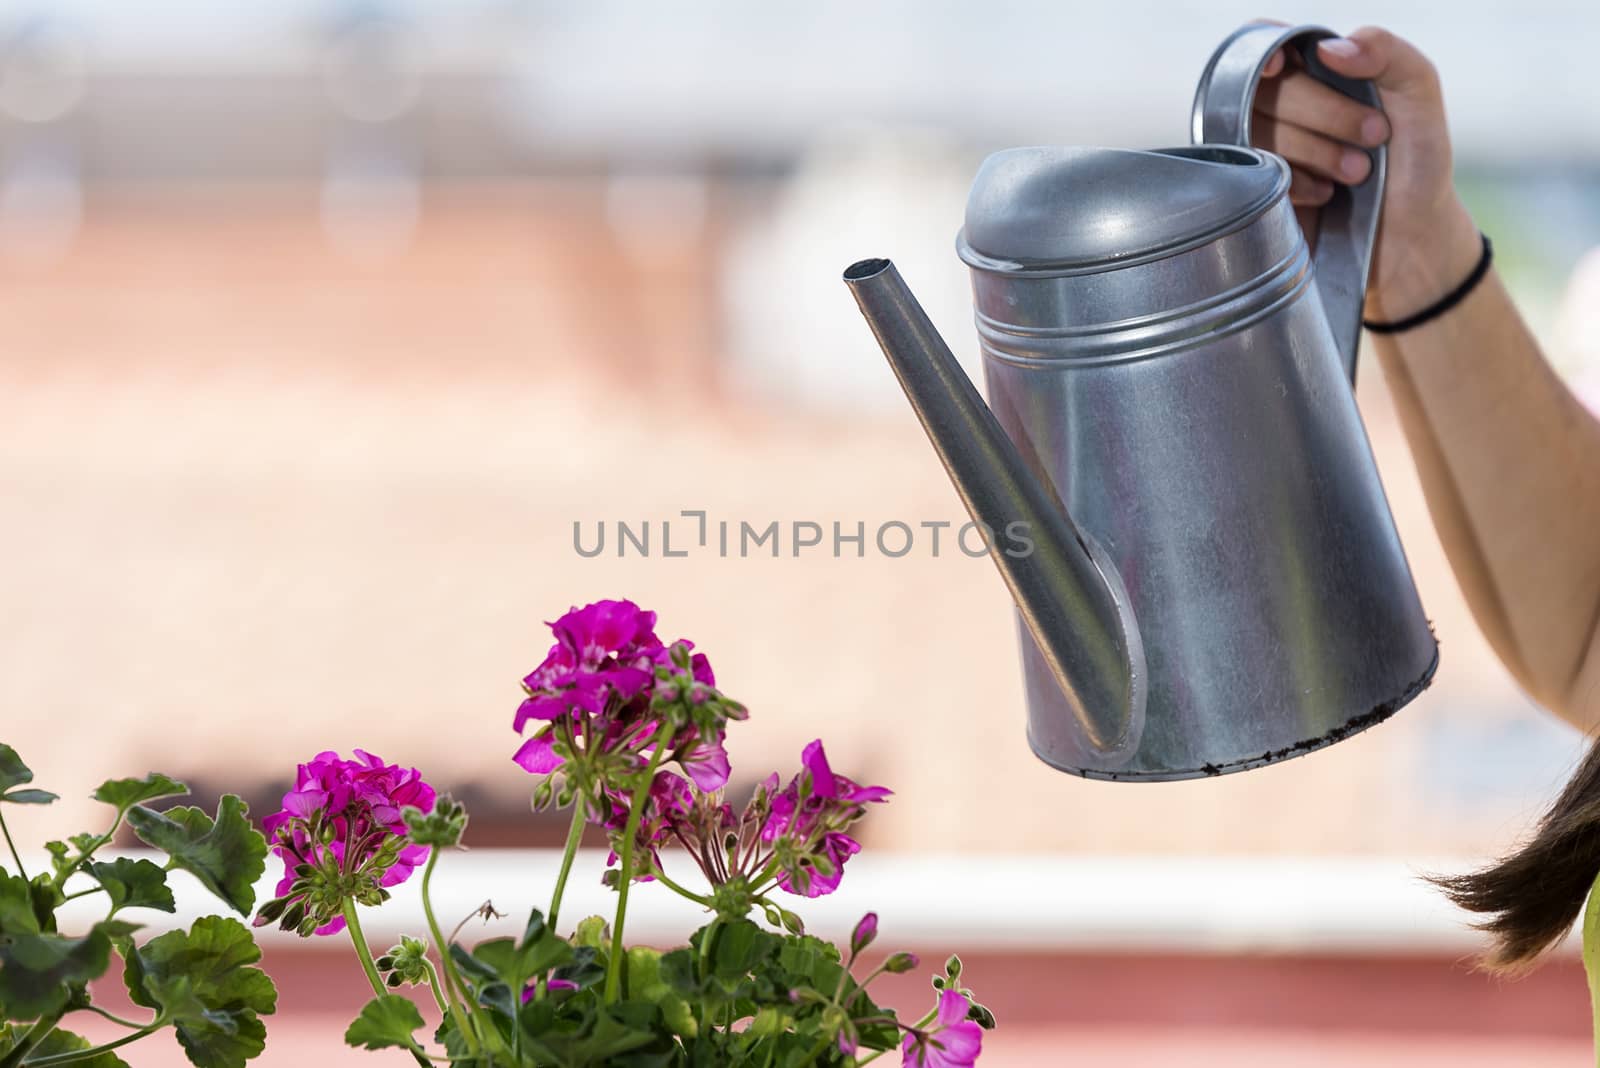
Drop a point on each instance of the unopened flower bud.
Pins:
(271, 911)
(866, 930)
(981, 1015)
(952, 967)
(900, 963)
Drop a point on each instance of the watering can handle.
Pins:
(1348, 225)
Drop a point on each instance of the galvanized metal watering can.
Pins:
(1206, 572)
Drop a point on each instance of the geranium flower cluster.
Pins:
(609, 694)
(795, 837)
(808, 825)
(628, 732)
(341, 835)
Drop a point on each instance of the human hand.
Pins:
(1426, 240)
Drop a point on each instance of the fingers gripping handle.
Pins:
(1348, 224)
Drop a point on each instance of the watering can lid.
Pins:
(1050, 208)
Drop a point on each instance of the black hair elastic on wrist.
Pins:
(1444, 303)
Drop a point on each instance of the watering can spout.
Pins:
(1067, 590)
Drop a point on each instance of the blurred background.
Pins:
(326, 327)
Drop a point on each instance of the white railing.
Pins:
(1049, 904)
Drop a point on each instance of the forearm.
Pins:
(1510, 464)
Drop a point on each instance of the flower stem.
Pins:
(132, 1024)
(580, 815)
(34, 1035)
(14, 854)
(433, 984)
(708, 938)
(625, 859)
(927, 1019)
(681, 891)
(452, 978)
(364, 951)
(61, 880)
(73, 1056)
(817, 1050)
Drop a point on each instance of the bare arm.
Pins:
(1509, 459)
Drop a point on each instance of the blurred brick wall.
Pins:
(258, 498)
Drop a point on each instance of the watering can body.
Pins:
(1213, 580)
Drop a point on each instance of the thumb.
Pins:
(1378, 55)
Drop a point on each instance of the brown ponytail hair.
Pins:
(1532, 897)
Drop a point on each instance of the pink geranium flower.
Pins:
(796, 836)
(360, 801)
(813, 813)
(604, 689)
(953, 1042)
(604, 652)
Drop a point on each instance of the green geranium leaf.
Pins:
(681, 971)
(543, 953)
(472, 966)
(770, 1022)
(215, 954)
(738, 946)
(62, 855)
(119, 929)
(125, 793)
(59, 860)
(227, 854)
(203, 981)
(617, 1029)
(592, 931)
(36, 970)
(538, 951)
(16, 906)
(47, 897)
(210, 1038)
(584, 969)
(13, 772)
(643, 976)
(134, 884)
(61, 1041)
(497, 958)
(29, 797)
(534, 928)
(678, 1015)
(384, 1021)
(644, 982)
(811, 959)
